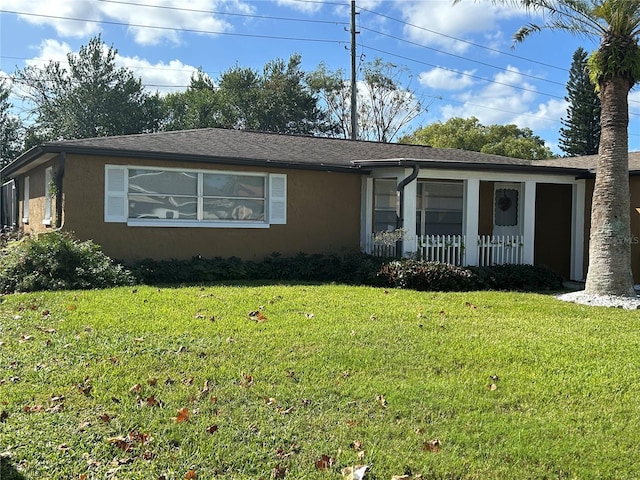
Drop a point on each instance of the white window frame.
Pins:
(25, 202)
(48, 198)
(116, 206)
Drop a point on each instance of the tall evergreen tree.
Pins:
(582, 133)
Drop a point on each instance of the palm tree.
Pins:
(614, 68)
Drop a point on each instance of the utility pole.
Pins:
(354, 83)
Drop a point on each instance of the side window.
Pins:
(25, 202)
(48, 196)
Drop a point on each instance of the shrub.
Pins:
(57, 261)
(526, 278)
(353, 269)
(433, 276)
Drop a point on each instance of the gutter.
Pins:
(400, 211)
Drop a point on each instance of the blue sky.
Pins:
(458, 59)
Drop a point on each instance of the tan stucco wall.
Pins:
(323, 212)
(553, 227)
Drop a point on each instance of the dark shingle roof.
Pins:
(246, 147)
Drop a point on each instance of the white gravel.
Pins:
(629, 303)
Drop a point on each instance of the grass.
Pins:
(512, 386)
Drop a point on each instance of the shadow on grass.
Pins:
(8, 471)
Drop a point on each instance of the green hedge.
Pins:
(56, 261)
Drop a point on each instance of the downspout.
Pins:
(400, 210)
(62, 157)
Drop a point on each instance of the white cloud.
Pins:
(162, 77)
(55, 15)
(50, 50)
(439, 78)
(502, 103)
(437, 21)
(171, 16)
(301, 5)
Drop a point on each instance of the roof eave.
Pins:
(36, 152)
(475, 166)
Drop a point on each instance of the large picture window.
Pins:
(172, 197)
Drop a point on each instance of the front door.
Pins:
(507, 209)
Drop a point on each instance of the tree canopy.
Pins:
(10, 126)
(470, 134)
(384, 105)
(276, 100)
(581, 135)
(89, 98)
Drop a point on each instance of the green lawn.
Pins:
(181, 383)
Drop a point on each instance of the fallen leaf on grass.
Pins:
(84, 387)
(470, 305)
(492, 387)
(183, 415)
(33, 409)
(401, 477)
(381, 400)
(354, 473)
(153, 401)
(190, 475)
(356, 445)
(212, 429)
(431, 446)
(4, 415)
(148, 455)
(205, 389)
(270, 400)
(25, 338)
(56, 408)
(247, 380)
(132, 439)
(105, 417)
(63, 447)
(136, 388)
(257, 316)
(324, 462)
(278, 471)
(152, 382)
(46, 330)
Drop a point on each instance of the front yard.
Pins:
(302, 381)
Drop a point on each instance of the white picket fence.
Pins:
(441, 248)
(492, 249)
(500, 249)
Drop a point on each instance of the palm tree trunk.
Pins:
(609, 270)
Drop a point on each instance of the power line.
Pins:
(189, 30)
(465, 74)
(494, 50)
(234, 14)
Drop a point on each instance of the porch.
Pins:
(475, 218)
(490, 249)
